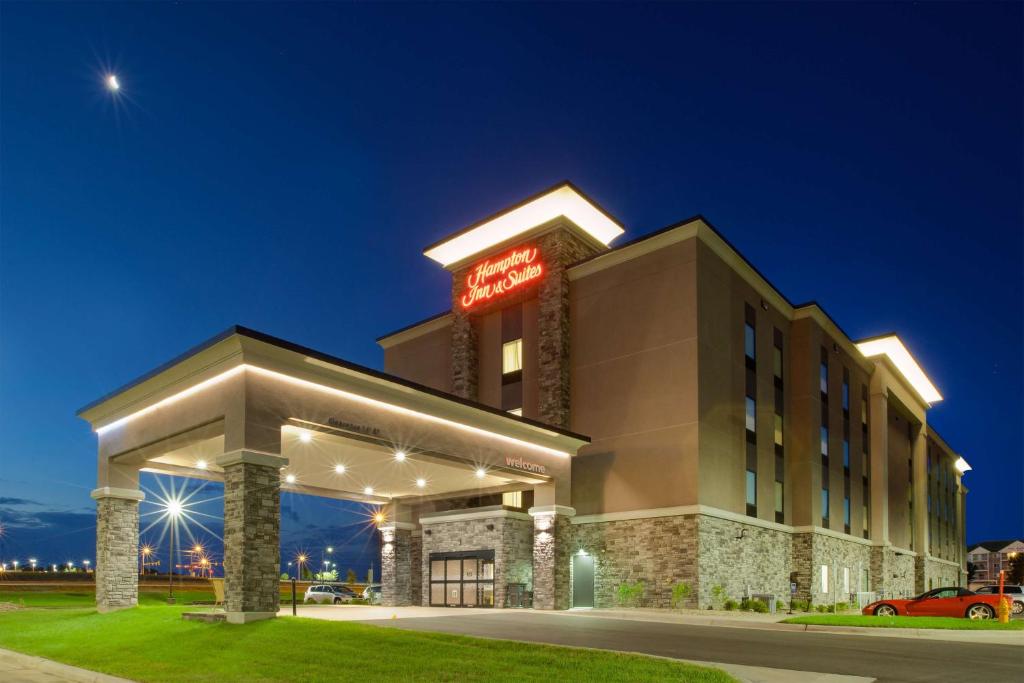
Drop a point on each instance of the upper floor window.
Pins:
(846, 395)
(748, 340)
(823, 372)
(751, 415)
(512, 356)
(846, 456)
(824, 441)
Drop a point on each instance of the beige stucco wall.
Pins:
(425, 359)
(634, 383)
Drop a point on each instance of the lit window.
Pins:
(751, 415)
(863, 411)
(824, 441)
(846, 455)
(778, 497)
(864, 580)
(824, 578)
(778, 429)
(751, 488)
(846, 511)
(864, 517)
(846, 396)
(748, 340)
(516, 411)
(846, 579)
(512, 356)
(824, 378)
(512, 499)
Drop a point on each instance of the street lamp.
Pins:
(32, 561)
(15, 563)
(86, 563)
(173, 511)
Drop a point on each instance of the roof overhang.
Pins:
(561, 201)
(890, 347)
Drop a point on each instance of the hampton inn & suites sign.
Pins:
(495, 277)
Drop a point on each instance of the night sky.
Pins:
(281, 167)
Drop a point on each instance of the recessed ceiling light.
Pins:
(400, 456)
(339, 469)
(368, 491)
(305, 437)
(421, 482)
(481, 473)
(201, 464)
(290, 478)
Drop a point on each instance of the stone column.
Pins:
(396, 564)
(252, 534)
(552, 538)
(117, 548)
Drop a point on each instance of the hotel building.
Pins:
(587, 415)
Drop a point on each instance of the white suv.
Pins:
(331, 595)
(1015, 593)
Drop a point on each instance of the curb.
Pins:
(65, 671)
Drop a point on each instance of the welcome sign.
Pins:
(493, 278)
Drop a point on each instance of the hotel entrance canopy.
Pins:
(341, 430)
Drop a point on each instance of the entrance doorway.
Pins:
(462, 579)
(582, 580)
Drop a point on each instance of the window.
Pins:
(846, 393)
(778, 429)
(864, 580)
(779, 487)
(824, 441)
(748, 340)
(777, 361)
(846, 456)
(846, 513)
(824, 507)
(864, 409)
(512, 356)
(516, 411)
(751, 490)
(824, 377)
(512, 499)
(846, 579)
(751, 415)
(824, 578)
(864, 518)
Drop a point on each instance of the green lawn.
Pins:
(58, 599)
(153, 643)
(906, 622)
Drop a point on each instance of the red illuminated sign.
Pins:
(494, 277)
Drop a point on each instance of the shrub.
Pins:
(801, 606)
(630, 594)
(745, 604)
(680, 592)
(285, 577)
(717, 593)
(730, 604)
(821, 608)
(842, 606)
(759, 606)
(779, 605)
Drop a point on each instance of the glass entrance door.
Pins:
(462, 579)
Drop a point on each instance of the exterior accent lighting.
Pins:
(305, 437)
(561, 201)
(113, 85)
(334, 392)
(400, 456)
(379, 518)
(962, 466)
(421, 482)
(891, 347)
(368, 491)
(481, 473)
(339, 469)
(496, 277)
(290, 478)
(174, 507)
(201, 464)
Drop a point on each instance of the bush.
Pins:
(842, 606)
(800, 606)
(821, 608)
(285, 577)
(630, 594)
(759, 606)
(779, 605)
(717, 593)
(680, 592)
(745, 605)
(730, 604)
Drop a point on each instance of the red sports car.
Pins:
(939, 602)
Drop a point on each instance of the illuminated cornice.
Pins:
(323, 388)
(564, 200)
(962, 466)
(892, 348)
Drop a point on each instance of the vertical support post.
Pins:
(117, 545)
(919, 484)
(551, 556)
(396, 564)
(252, 533)
(879, 466)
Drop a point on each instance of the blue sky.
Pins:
(282, 166)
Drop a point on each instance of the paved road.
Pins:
(887, 659)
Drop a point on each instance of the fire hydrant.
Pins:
(1003, 611)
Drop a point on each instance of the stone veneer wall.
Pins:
(660, 551)
(511, 539)
(252, 547)
(931, 572)
(396, 567)
(117, 545)
(892, 572)
(812, 550)
(744, 559)
(416, 567)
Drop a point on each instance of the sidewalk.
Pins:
(18, 668)
(772, 622)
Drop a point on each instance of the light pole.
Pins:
(15, 563)
(32, 561)
(86, 563)
(173, 510)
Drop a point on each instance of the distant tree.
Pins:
(1015, 574)
(350, 577)
(327, 576)
(971, 569)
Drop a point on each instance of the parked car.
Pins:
(939, 602)
(1015, 593)
(372, 594)
(330, 595)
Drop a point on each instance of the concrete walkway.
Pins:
(18, 668)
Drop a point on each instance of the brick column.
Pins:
(396, 564)
(117, 548)
(252, 533)
(552, 538)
